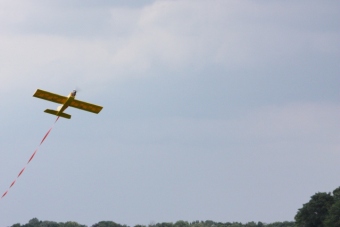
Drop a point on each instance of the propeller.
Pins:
(74, 92)
(77, 89)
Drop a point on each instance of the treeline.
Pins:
(36, 223)
(322, 210)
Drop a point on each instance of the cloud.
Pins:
(227, 34)
(102, 44)
(36, 59)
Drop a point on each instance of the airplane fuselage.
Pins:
(63, 107)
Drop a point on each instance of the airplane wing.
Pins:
(50, 96)
(86, 106)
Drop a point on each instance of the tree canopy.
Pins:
(322, 210)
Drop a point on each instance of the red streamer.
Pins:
(12, 183)
(4, 194)
(21, 171)
(45, 136)
(32, 156)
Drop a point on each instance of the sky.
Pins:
(213, 110)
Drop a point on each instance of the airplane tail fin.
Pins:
(54, 112)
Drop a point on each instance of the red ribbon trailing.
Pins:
(32, 156)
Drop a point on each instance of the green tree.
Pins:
(107, 224)
(333, 218)
(336, 194)
(181, 224)
(281, 224)
(236, 224)
(16, 225)
(71, 224)
(313, 213)
(260, 224)
(34, 222)
(164, 224)
(197, 224)
(251, 224)
(209, 223)
(49, 224)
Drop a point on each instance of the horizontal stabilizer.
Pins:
(54, 112)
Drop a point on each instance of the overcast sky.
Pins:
(219, 110)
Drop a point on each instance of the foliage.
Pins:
(333, 218)
(181, 224)
(49, 224)
(164, 224)
(36, 223)
(108, 224)
(71, 224)
(336, 194)
(313, 213)
(281, 224)
(323, 210)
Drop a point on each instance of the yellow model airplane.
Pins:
(66, 102)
